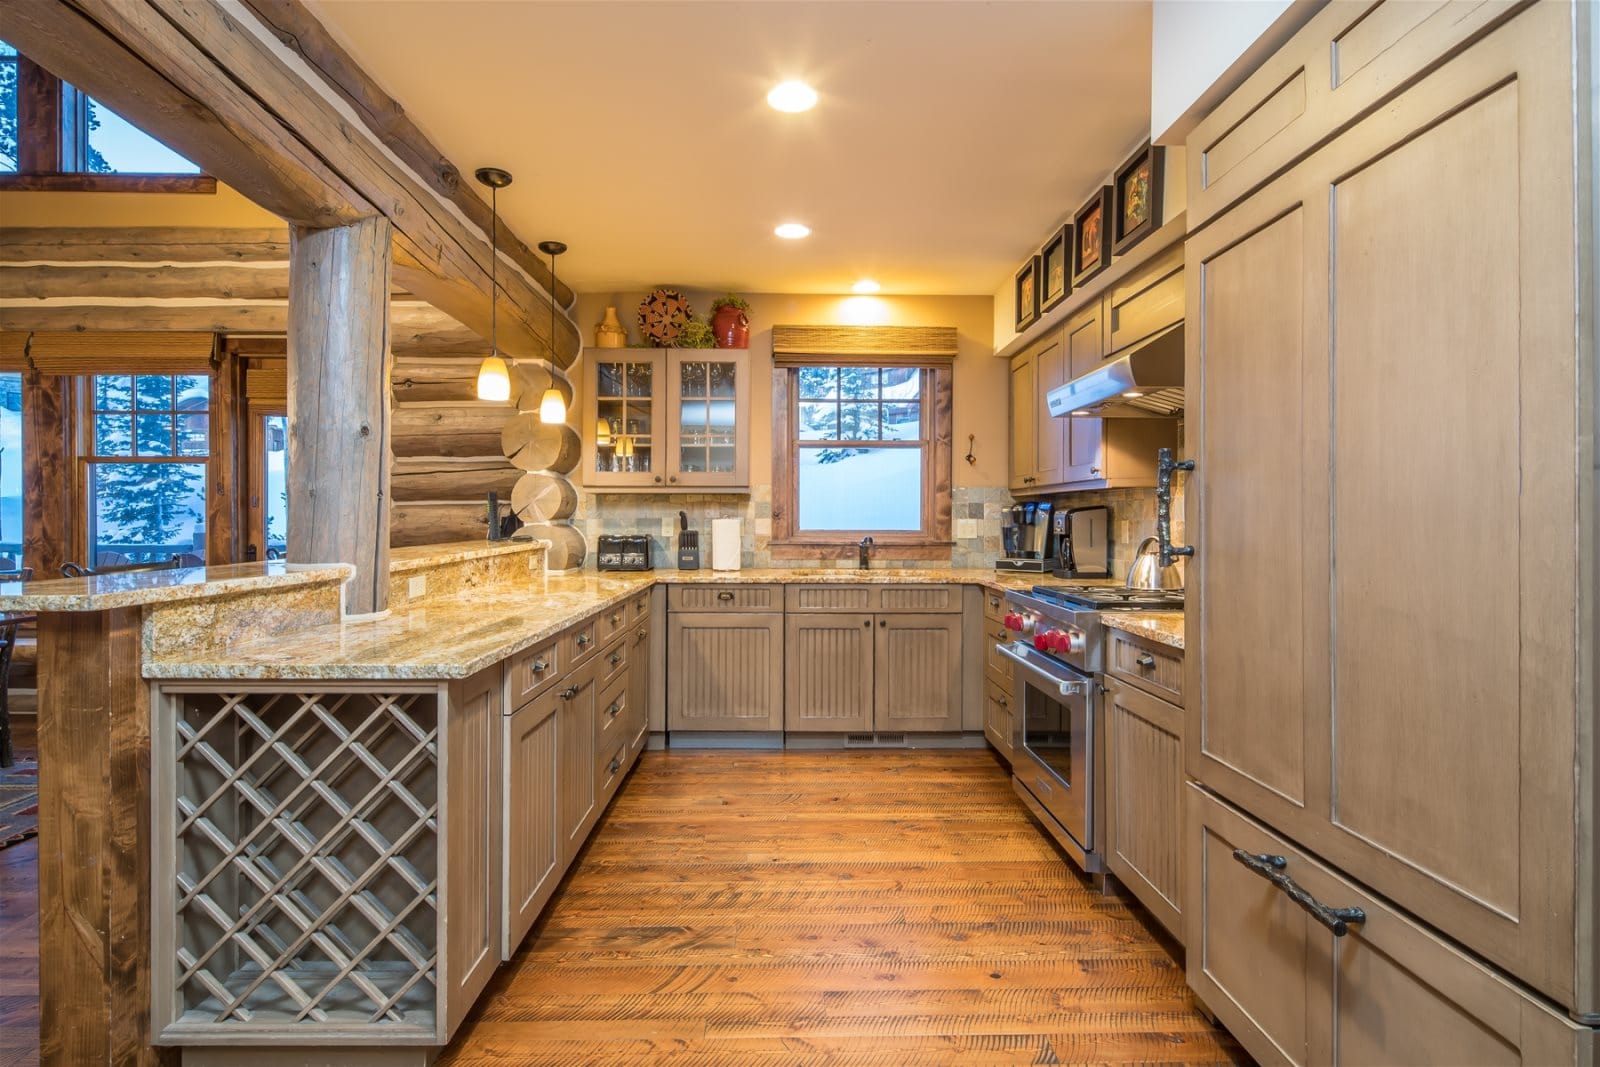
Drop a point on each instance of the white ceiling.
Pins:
(949, 135)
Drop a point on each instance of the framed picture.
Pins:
(1136, 210)
(1054, 285)
(1028, 294)
(1091, 243)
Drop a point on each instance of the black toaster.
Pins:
(623, 552)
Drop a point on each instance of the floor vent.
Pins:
(874, 740)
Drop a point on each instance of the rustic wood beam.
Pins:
(414, 323)
(339, 401)
(218, 57)
(253, 281)
(299, 30)
(143, 244)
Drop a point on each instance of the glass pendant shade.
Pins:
(551, 407)
(602, 432)
(494, 380)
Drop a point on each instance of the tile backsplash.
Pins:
(974, 515)
(1133, 518)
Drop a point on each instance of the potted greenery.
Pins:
(695, 334)
(730, 323)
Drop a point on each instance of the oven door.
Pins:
(1054, 736)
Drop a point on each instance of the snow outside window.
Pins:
(860, 442)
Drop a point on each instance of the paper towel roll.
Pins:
(725, 544)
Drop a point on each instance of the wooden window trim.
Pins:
(43, 165)
(932, 542)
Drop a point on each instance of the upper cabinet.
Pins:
(664, 420)
(1050, 454)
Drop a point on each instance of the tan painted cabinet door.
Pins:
(917, 675)
(1049, 433)
(828, 673)
(725, 671)
(533, 863)
(578, 805)
(626, 390)
(1084, 341)
(1144, 799)
(472, 839)
(708, 424)
(1383, 380)
(1024, 391)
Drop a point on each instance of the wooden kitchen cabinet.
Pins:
(726, 670)
(472, 840)
(1372, 712)
(917, 673)
(533, 838)
(1387, 991)
(1024, 418)
(1144, 798)
(641, 677)
(828, 686)
(578, 803)
(684, 414)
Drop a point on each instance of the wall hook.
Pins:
(972, 439)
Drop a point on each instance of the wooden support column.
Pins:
(339, 399)
(46, 473)
(94, 843)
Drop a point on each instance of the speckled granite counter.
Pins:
(107, 591)
(1164, 627)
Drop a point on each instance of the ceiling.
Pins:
(948, 138)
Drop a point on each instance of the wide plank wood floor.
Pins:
(855, 907)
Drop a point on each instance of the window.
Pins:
(861, 450)
(149, 439)
(10, 471)
(54, 136)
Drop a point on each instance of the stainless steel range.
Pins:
(1057, 652)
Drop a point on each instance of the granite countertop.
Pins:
(105, 591)
(1163, 627)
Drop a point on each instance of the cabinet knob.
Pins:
(658, 479)
(994, 602)
(616, 765)
(614, 710)
(883, 622)
(1001, 701)
(673, 479)
(616, 658)
(1094, 470)
(867, 624)
(999, 635)
(569, 692)
(584, 639)
(539, 666)
(644, 632)
(1146, 661)
(616, 619)
(724, 596)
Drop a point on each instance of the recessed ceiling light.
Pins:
(1133, 393)
(793, 231)
(865, 285)
(1081, 411)
(793, 96)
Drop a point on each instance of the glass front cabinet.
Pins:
(664, 420)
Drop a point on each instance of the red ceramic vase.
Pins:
(730, 327)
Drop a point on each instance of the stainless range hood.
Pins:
(1151, 371)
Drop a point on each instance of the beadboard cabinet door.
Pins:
(1377, 377)
(472, 839)
(578, 803)
(1144, 799)
(828, 680)
(533, 849)
(917, 680)
(725, 670)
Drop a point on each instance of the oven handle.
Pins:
(1067, 687)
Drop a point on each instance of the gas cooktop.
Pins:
(1111, 597)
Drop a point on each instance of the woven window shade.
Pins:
(875, 346)
(121, 353)
(266, 380)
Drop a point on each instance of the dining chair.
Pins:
(8, 644)
(78, 570)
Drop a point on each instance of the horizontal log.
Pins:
(435, 379)
(445, 479)
(462, 430)
(259, 281)
(437, 523)
(567, 548)
(541, 497)
(537, 446)
(529, 382)
(143, 244)
(411, 319)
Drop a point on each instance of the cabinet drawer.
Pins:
(729, 597)
(996, 668)
(611, 719)
(533, 671)
(994, 607)
(612, 621)
(1348, 58)
(1387, 992)
(919, 598)
(1153, 667)
(639, 608)
(839, 597)
(581, 642)
(1149, 301)
(610, 770)
(613, 659)
(997, 718)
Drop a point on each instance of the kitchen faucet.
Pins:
(865, 546)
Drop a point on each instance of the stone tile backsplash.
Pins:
(1133, 518)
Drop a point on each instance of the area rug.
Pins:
(19, 802)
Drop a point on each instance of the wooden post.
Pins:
(339, 394)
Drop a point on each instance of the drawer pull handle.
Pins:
(616, 765)
(539, 666)
(994, 602)
(1146, 661)
(616, 620)
(1339, 920)
(569, 692)
(1000, 635)
(643, 633)
(725, 597)
(616, 658)
(584, 639)
(1001, 701)
(614, 710)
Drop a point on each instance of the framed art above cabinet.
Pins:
(664, 420)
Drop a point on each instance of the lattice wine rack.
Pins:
(296, 864)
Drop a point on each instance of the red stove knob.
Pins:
(1041, 640)
(1013, 621)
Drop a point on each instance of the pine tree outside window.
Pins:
(148, 442)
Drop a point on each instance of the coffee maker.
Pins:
(1027, 538)
(1083, 543)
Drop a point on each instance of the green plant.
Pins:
(732, 300)
(696, 333)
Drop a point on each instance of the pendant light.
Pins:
(494, 378)
(552, 408)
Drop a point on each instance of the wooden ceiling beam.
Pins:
(143, 244)
(412, 323)
(227, 84)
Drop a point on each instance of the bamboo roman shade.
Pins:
(109, 352)
(875, 346)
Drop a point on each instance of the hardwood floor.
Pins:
(19, 934)
(793, 908)
(839, 907)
